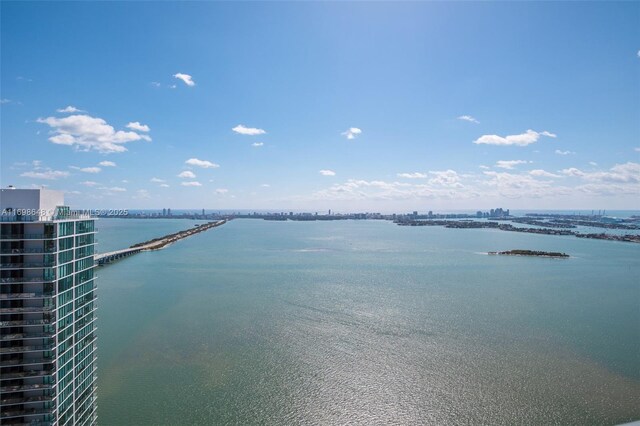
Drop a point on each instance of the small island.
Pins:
(553, 254)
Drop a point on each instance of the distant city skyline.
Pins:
(353, 107)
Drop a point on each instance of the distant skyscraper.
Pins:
(47, 311)
(164, 212)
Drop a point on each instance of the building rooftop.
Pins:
(32, 205)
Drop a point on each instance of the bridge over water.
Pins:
(109, 257)
(155, 244)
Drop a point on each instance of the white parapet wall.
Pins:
(42, 202)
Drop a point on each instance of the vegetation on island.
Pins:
(531, 253)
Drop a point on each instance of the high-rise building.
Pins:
(47, 311)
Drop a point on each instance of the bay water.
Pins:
(365, 322)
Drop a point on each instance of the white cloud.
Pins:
(523, 139)
(164, 185)
(5, 101)
(91, 169)
(637, 149)
(468, 118)
(559, 152)
(114, 189)
(483, 167)
(87, 133)
(620, 180)
(265, 185)
(187, 175)
(249, 131)
(509, 164)
(257, 144)
(327, 173)
(156, 180)
(351, 132)
(512, 185)
(593, 163)
(88, 183)
(380, 190)
(221, 191)
(415, 175)
(202, 163)
(107, 164)
(572, 171)
(155, 84)
(448, 178)
(627, 173)
(36, 164)
(135, 125)
(186, 79)
(48, 174)
(69, 109)
(142, 194)
(191, 183)
(543, 173)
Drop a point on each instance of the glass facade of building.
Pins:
(48, 320)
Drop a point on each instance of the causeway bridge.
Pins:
(155, 244)
(104, 258)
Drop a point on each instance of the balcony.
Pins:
(32, 265)
(24, 336)
(27, 400)
(23, 362)
(28, 237)
(28, 374)
(26, 412)
(27, 310)
(27, 323)
(23, 280)
(22, 349)
(28, 250)
(20, 296)
(23, 388)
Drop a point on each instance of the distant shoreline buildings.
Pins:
(498, 218)
(166, 213)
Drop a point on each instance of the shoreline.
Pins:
(471, 224)
(530, 253)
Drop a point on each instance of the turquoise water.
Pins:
(366, 322)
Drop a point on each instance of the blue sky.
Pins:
(317, 106)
